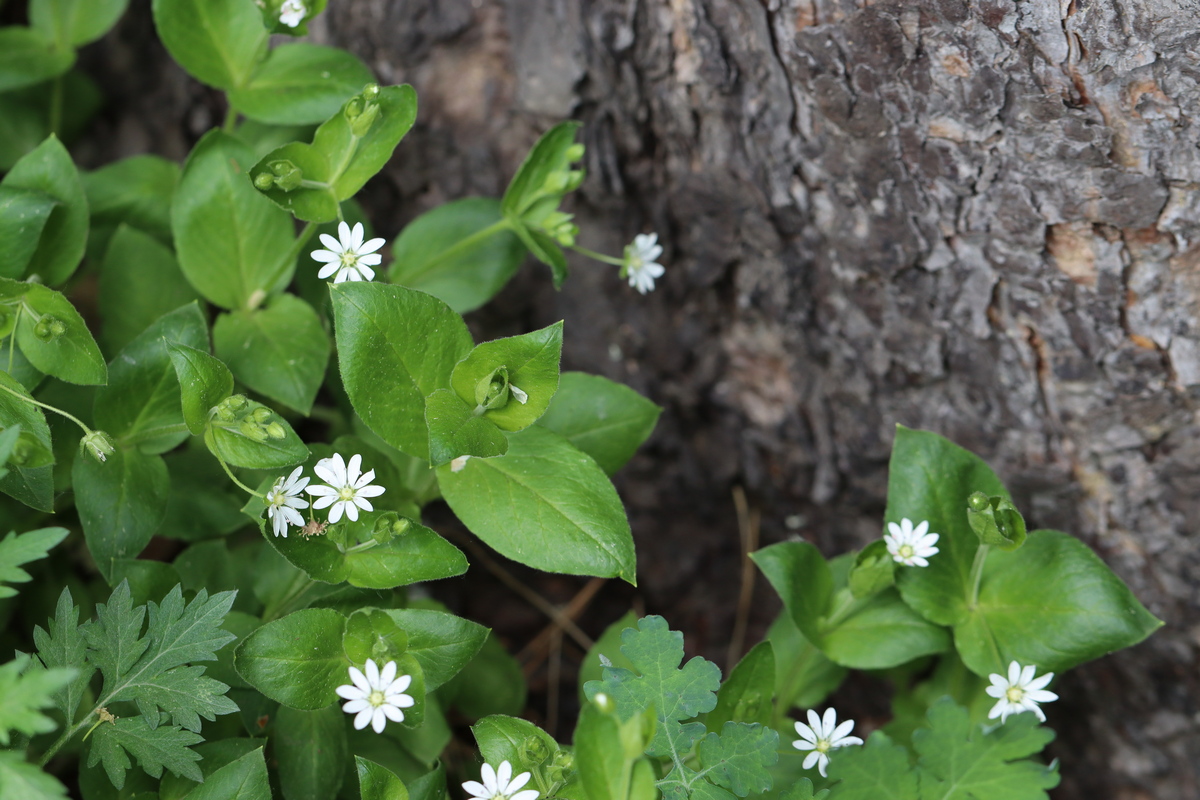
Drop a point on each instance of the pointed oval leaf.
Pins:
(454, 431)
(603, 418)
(377, 782)
(72, 355)
(140, 281)
(229, 442)
(72, 23)
(441, 643)
(531, 365)
(310, 750)
(219, 42)
(297, 660)
(356, 158)
(121, 503)
(549, 154)
(28, 58)
(23, 215)
(301, 84)
(49, 169)
(203, 382)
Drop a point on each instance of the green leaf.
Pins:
(136, 192)
(1052, 603)
(280, 173)
(64, 647)
(140, 281)
(659, 683)
(520, 743)
(203, 503)
(804, 676)
(746, 694)
(395, 347)
(30, 481)
(878, 770)
(356, 157)
(455, 431)
(49, 169)
(17, 550)
(296, 660)
(154, 748)
(491, 683)
(930, 478)
(376, 782)
(280, 351)
(548, 155)
(604, 767)
(603, 418)
(544, 504)
(738, 757)
(24, 693)
(27, 57)
(72, 23)
(525, 368)
(204, 382)
(803, 581)
(311, 749)
(234, 245)
(435, 253)
(242, 779)
(20, 780)
(301, 84)
(545, 250)
(148, 580)
(230, 442)
(57, 341)
(441, 643)
(219, 42)
(25, 114)
(23, 216)
(960, 762)
(606, 652)
(121, 503)
(141, 405)
(996, 521)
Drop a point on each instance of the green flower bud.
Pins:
(575, 152)
(978, 501)
(363, 122)
(49, 328)
(22, 452)
(556, 182)
(252, 431)
(98, 444)
(261, 415)
(264, 181)
(354, 108)
(575, 179)
(276, 431)
(492, 391)
(287, 175)
(8, 320)
(533, 751)
(604, 703)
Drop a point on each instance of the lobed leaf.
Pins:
(163, 746)
(17, 550)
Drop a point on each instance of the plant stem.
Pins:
(846, 603)
(977, 573)
(86, 430)
(231, 116)
(56, 105)
(233, 477)
(64, 738)
(465, 244)
(583, 251)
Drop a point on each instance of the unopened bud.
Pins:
(533, 751)
(978, 501)
(261, 415)
(264, 181)
(252, 431)
(98, 444)
(363, 122)
(49, 328)
(575, 179)
(287, 175)
(276, 431)
(556, 182)
(575, 152)
(604, 703)
(370, 91)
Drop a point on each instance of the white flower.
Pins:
(822, 735)
(350, 258)
(292, 13)
(283, 500)
(376, 696)
(908, 545)
(348, 487)
(498, 784)
(640, 266)
(1020, 692)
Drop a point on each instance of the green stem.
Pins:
(302, 584)
(64, 738)
(86, 430)
(230, 122)
(465, 244)
(56, 105)
(233, 477)
(846, 604)
(981, 555)
(12, 341)
(358, 548)
(583, 251)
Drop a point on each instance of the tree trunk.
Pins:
(971, 217)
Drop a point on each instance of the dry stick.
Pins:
(538, 647)
(748, 525)
(554, 679)
(532, 597)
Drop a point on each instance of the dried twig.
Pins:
(748, 527)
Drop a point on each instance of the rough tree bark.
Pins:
(973, 217)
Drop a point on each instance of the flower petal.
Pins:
(360, 680)
(363, 719)
(392, 713)
(379, 721)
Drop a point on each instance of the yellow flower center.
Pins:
(375, 698)
(824, 745)
(349, 258)
(1015, 694)
(346, 493)
(906, 551)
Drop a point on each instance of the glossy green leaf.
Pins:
(279, 351)
(544, 504)
(604, 768)
(203, 381)
(505, 738)
(140, 406)
(27, 57)
(48, 169)
(546, 250)
(441, 643)
(310, 749)
(137, 192)
(219, 42)
(31, 482)
(527, 384)
(436, 254)
(804, 676)
(455, 431)
(603, 418)
(301, 84)
(355, 157)
(395, 347)
(140, 281)
(930, 479)
(746, 694)
(548, 155)
(242, 779)
(23, 215)
(1052, 603)
(121, 503)
(996, 521)
(234, 245)
(215, 755)
(57, 341)
(72, 23)
(801, 577)
(376, 782)
(230, 442)
(296, 660)
(204, 503)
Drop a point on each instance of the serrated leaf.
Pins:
(659, 683)
(879, 770)
(20, 780)
(17, 550)
(24, 692)
(62, 645)
(959, 761)
(154, 748)
(738, 757)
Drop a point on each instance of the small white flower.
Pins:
(1020, 692)
(518, 395)
(499, 784)
(910, 546)
(376, 696)
(348, 487)
(822, 735)
(639, 262)
(350, 257)
(283, 500)
(292, 13)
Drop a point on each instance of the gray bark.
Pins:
(978, 218)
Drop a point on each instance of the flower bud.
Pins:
(978, 501)
(533, 751)
(604, 703)
(98, 444)
(353, 109)
(252, 431)
(287, 175)
(276, 431)
(575, 179)
(575, 152)
(370, 91)
(556, 182)
(49, 328)
(261, 415)
(363, 122)
(264, 181)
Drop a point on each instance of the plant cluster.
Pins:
(279, 651)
